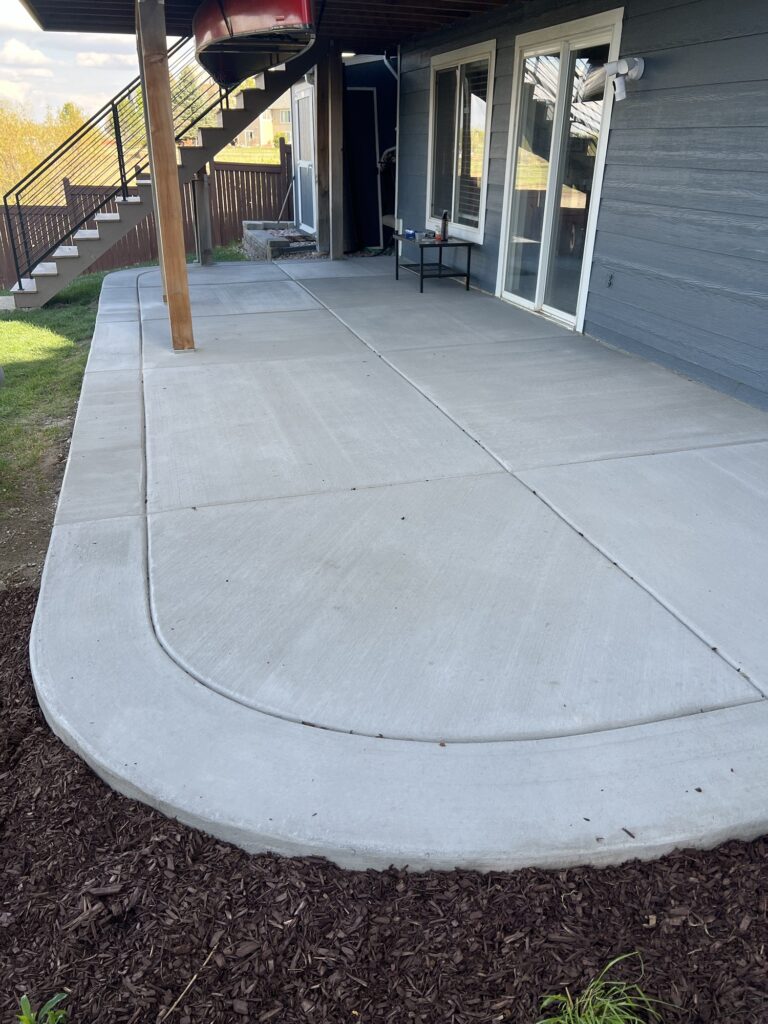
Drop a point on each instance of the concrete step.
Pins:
(45, 270)
(127, 199)
(87, 235)
(66, 252)
(27, 285)
(104, 217)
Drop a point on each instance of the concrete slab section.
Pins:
(535, 408)
(102, 484)
(214, 300)
(109, 411)
(691, 527)
(310, 270)
(268, 336)
(388, 328)
(452, 610)
(235, 272)
(105, 470)
(469, 566)
(114, 696)
(118, 348)
(262, 430)
(344, 294)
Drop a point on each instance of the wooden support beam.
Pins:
(150, 19)
(149, 155)
(201, 185)
(322, 155)
(336, 150)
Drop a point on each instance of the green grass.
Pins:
(248, 155)
(43, 354)
(604, 1001)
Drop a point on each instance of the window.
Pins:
(285, 117)
(462, 83)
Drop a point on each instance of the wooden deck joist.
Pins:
(354, 23)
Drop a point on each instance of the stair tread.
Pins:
(107, 216)
(65, 252)
(45, 270)
(28, 283)
(85, 233)
(127, 199)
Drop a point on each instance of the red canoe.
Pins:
(239, 38)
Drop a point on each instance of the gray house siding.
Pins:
(680, 266)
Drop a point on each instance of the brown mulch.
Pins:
(125, 908)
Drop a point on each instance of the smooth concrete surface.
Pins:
(692, 527)
(347, 536)
(245, 298)
(573, 402)
(460, 608)
(311, 270)
(234, 432)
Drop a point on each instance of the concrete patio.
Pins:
(392, 578)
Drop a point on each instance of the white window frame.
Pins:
(575, 33)
(440, 62)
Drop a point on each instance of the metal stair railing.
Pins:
(102, 160)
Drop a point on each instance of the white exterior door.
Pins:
(560, 116)
(304, 156)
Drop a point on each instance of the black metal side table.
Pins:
(432, 269)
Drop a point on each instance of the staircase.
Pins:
(95, 187)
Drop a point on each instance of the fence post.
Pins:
(201, 194)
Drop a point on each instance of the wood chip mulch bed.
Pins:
(135, 914)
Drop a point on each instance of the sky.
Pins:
(43, 70)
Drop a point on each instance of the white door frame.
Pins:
(559, 38)
(302, 91)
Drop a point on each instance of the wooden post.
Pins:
(336, 150)
(203, 230)
(149, 155)
(322, 154)
(150, 19)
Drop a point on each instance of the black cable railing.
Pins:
(102, 161)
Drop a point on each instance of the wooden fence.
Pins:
(238, 192)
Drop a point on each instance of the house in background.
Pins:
(273, 124)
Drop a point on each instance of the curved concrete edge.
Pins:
(153, 733)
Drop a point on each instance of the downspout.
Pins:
(398, 226)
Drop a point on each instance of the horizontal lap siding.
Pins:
(681, 253)
(503, 26)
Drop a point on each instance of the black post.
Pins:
(12, 238)
(120, 155)
(23, 239)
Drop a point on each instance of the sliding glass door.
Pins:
(555, 169)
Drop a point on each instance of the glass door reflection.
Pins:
(538, 101)
(575, 176)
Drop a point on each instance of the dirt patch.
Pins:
(25, 526)
(103, 897)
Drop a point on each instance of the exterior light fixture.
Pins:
(620, 70)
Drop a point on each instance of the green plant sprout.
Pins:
(47, 1014)
(604, 1001)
